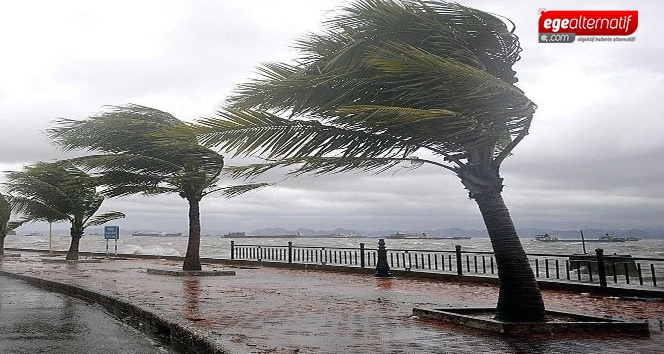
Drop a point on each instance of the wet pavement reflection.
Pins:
(33, 320)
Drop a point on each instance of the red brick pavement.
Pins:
(274, 310)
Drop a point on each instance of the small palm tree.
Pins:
(397, 83)
(58, 192)
(142, 150)
(5, 224)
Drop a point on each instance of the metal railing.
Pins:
(585, 268)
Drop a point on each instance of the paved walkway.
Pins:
(270, 310)
(33, 320)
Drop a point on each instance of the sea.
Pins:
(219, 247)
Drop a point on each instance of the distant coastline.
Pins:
(524, 233)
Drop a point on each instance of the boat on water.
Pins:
(235, 234)
(425, 236)
(611, 238)
(397, 235)
(604, 238)
(546, 238)
(341, 235)
(34, 234)
(156, 234)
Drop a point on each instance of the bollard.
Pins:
(290, 251)
(361, 254)
(601, 272)
(232, 249)
(382, 268)
(458, 260)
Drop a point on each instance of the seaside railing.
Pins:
(585, 268)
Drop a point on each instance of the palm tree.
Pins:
(397, 83)
(5, 224)
(141, 150)
(58, 192)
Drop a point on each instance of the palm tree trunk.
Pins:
(192, 260)
(519, 299)
(2, 245)
(72, 254)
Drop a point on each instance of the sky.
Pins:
(594, 157)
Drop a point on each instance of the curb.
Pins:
(176, 332)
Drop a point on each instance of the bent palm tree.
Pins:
(5, 224)
(388, 80)
(58, 192)
(146, 151)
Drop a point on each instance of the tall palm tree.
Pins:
(5, 224)
(142, 150)
(58, 192)
(397, 83)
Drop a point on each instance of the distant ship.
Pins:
(235, 234)
(425, 236)
(157, 234)
(34, 234)
(397, 235)
(546, 238)
(611, 238)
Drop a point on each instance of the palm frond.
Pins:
(128, 162)
(33, 210)
(13, 225)
(235, 190)
(118, 129)
(104, 218)
(326, 165)
(141, 150)
(249, 131)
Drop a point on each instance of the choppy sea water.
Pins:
(219, 247)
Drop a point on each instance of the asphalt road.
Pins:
(33, 320)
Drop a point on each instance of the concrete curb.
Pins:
(177, 332)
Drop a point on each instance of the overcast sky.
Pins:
(594, 157)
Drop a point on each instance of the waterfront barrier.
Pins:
(595, 269)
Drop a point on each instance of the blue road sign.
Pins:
(111, 232)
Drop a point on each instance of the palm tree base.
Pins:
(191, 272)
(60, 260)
(556, 322)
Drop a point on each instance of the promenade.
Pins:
(274, 310)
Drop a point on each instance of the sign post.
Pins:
(112, 233)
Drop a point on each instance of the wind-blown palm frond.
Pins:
(13, 225)
(5, 210)
(144, 151)
(5, 224)
(34, 210)
(5, 215)
(104, 218)
(254, 131)
(325, 165)
(118, 129)
(235, 190)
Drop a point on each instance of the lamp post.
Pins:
(382, 268)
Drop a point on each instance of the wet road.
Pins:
(33, 320)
